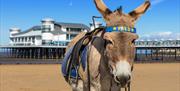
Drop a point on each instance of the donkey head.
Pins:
(119, 47)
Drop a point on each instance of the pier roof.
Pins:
(34, 28)
(38, 28)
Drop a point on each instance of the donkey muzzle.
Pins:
(123, 80)
(122, 73)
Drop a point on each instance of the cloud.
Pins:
(168, 35)
(164, 33)
(155, 2)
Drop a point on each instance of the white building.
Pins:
(49, 32)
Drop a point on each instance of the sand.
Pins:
(146, 77)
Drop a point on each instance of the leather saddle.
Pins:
(76, 56)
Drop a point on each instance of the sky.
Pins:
(163, 17)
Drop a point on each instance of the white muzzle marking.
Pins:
(123, 68)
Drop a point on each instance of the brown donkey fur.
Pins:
(120, 46)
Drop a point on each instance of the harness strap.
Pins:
(75, 57)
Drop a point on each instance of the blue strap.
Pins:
(120, 29)
(73, 72)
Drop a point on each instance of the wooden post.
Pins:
(146, 54)
(56, 53)
(30, 53)
(162, 54)
(151, 54)
(136, 55)
(176, 54)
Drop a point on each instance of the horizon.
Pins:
(161, 18)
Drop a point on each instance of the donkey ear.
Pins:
(103, 9)
(140, 10)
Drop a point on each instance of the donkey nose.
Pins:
(123, 79)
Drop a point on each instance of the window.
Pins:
(72, 36)
(74, 29)
(46, 28)
(47, 42)
(22, 39)
(67, 29)
(25, 39)
(15, 39)
(33, 39)
(67, 37)
(18, 39)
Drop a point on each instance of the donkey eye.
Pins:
(108, 42)
(133, 41)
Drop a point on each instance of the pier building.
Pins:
(49, 40)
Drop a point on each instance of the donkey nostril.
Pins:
(128, 77)
(123, 79)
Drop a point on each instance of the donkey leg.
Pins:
(129, 86)
(129, 89)
(125, 88)
(77, 87)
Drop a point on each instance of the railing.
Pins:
(157, 45)
(168, 43)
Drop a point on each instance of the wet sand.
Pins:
(146, 77)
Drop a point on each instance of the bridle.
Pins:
(120, 29)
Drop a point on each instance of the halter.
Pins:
(120, 29)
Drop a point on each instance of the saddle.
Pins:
(76, 56)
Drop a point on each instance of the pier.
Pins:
(33, 52)
(143, 53)
(157, 54)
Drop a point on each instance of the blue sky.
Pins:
(162, 17)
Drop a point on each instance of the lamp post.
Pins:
(93, 19)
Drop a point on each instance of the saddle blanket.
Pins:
(74, 71)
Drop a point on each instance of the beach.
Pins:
(48, 77)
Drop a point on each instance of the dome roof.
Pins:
(47, 20)
(14, 29)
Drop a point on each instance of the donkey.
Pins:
(110, 54)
